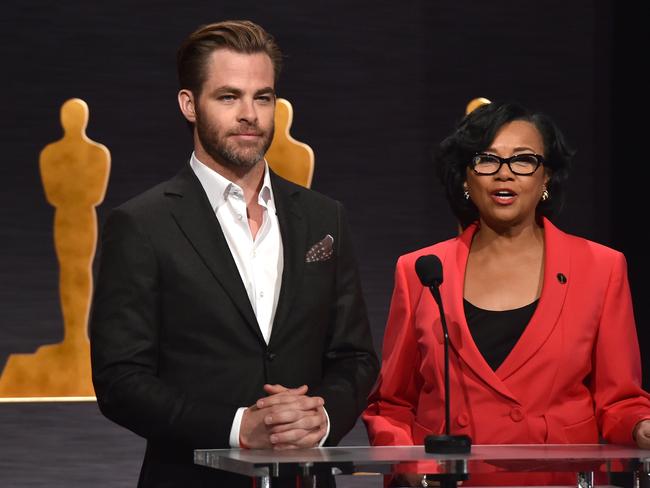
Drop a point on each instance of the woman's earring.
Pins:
(545, 195)
(466, 191)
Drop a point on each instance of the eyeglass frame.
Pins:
(540, 161)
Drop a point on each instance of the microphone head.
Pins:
(429, 270)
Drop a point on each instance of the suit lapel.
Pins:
(460, 337)
(544, 320)
(293, 228)
(192, 212)
(557, 273)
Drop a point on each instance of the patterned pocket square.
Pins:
(321, 251)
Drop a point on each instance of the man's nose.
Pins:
(247, 111)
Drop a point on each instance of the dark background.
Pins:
(374, 84)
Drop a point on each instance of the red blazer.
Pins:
(573, 375)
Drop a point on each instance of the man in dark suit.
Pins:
(228, 310)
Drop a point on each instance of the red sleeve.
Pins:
(620, 401)
(393, 401)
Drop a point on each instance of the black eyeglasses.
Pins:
(520, 164)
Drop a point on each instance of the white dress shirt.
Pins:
(259, 261)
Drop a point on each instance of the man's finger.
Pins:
(300, 402)
(274, 389)
(253, 431)
(301, 439)
(306, 422)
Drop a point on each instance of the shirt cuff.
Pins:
(327, 432)
(236, 426)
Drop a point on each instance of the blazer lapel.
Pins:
(454, 266)
(293, 228)
(557, 273)
(192, 212)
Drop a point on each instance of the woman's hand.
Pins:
(642, 434)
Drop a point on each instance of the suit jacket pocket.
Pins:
(316, 266)
(583, 432)
(317, 287)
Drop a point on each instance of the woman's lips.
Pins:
(504, 197)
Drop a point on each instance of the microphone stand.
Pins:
(445, 332)
(447, 444)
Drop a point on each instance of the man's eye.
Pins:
(264, 98)
(227, 98)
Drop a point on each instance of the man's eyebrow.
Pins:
(265, 91)
(227, 89)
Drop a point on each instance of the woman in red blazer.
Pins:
(543, 344)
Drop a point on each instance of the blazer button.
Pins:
(270, 356)
(462, 419)
(516, 414)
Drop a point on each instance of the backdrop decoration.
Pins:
(74, 171)
(291, 159)
(476, 103)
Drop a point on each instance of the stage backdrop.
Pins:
(374, 84)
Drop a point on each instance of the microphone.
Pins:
(429, 270)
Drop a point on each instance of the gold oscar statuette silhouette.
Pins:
(476, 103)
(75, 172)
(292, 160)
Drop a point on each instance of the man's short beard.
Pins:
(238, 159)
(216, 146)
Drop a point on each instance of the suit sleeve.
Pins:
(350, 362)
(392, 404)
(124, 333)
(620, 401)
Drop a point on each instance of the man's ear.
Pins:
(186, 104)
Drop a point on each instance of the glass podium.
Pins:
(584, 460)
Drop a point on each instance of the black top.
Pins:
(496, 332)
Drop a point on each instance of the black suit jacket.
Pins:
(176, 348)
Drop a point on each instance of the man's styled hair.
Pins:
(241, 36)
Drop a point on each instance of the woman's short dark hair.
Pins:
(475, 133)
